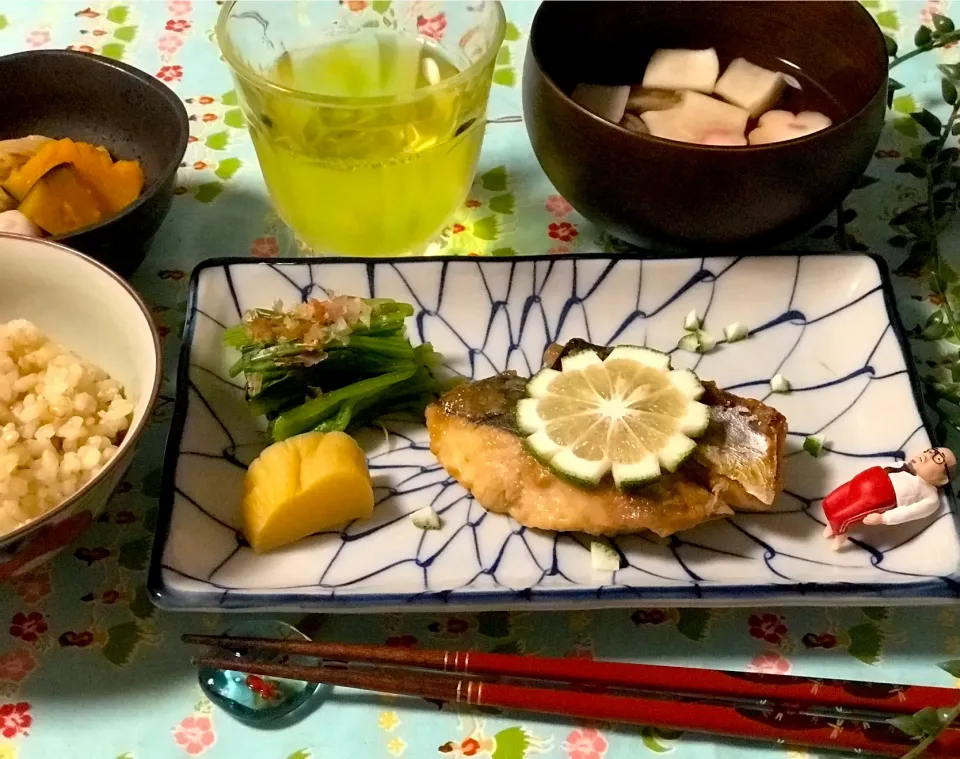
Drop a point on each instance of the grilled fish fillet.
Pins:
(473, 434)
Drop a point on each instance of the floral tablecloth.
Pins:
(89, 669)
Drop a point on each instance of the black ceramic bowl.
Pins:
(63, 93)
(646, 189)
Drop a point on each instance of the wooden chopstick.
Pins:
(778, 725)
(901, 699)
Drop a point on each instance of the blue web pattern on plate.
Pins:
(824, 321)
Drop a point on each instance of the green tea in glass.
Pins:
(367, 117)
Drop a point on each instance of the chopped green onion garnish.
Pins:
(735, 331)
(813, 444)
(697, 342)
(603, 557)
(779, 384)
(426, 519)
(707, 342)
(690, 342)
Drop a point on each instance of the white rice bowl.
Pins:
(61, 418)
(71, 409)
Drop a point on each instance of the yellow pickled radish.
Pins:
(302, 485)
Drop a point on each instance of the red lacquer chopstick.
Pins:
(779, 725)
(904, 699)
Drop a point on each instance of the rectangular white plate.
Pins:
(826, 322)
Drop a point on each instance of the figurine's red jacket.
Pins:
(874, 492)
(869, 492)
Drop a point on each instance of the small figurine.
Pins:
(889, 495)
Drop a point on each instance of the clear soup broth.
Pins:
(803, 93)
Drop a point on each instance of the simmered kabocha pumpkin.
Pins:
(60, 202)
(67, 185)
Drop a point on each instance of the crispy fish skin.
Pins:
(473, 435)
(744, 434)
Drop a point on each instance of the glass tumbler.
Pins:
(367, 117)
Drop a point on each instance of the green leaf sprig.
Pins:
(925, 39)
(918, 226)
(927, 724)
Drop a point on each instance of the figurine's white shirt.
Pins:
(916, 499)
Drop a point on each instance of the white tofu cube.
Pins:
(607, 102)
(703, 113)
(699, 119)
(682, 70)
(666, 125)
(751, 87)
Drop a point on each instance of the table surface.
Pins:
(90, 670)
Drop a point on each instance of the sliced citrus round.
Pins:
(629, 414)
